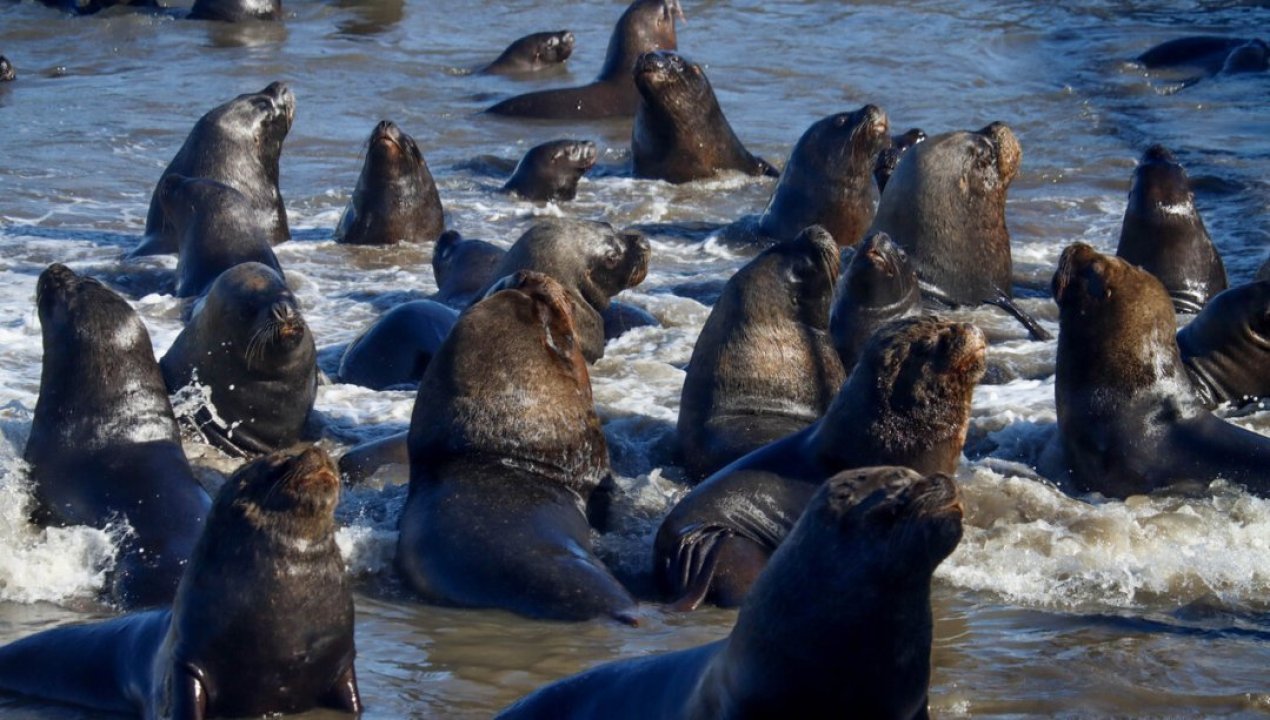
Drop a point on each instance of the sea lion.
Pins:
(104, 444)
(6, 70)
(396, 199)
(878, 286)
(889, 159)
(216, 227)
(89, 7)
(763, 366)
(646, 25)
(907, 402)
(463, 268)
(236, 10)
(838, 624)
(1129, 421)
(262, 623)
(533, 53)
(680, 133)
(505, 452)
(1164, 234)
(1226, 348)
(1263, 272)
(248, 343)
(396, 349)
(238, 143)
(551, 171)
(1210, 55)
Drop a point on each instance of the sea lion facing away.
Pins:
(396, 199)
(532, 53)
(463, 268)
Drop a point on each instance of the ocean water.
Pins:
(1052, 604)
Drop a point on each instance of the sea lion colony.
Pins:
(509, 469)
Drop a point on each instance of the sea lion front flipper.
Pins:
(344, 694)
(694, 563)
(1034, 328)
(189, 693)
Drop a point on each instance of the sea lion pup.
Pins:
(645, 26)
(1226, 348)
(533, 53)
(889, 159)
(1164, 234)
(248, 343)
(463, 268)
(680, 133)
(262, 623)
(878, 286)
(238, 143)
(1210, 55)
(551, 171)
(236, 10)
(104, 445)
(216, 229)
(763, 366)
(1128, 420)
(6, 70)
(838, 624)
(395, 199)
(505, 452)
(907, 402)
(396, 349)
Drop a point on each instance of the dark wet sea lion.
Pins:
(236, 10)
(6, 70)
(463, 268)
(838, 625)
(1263, 273)
(907, 402)
(551, 171)
(1129, 421)
(104, 444)
(262, 623)
(1164, 234)
(89, 7)
(1208, 54)
(763, 366)
(680, 132)
(216, 227)
(238, 143)
(396, 349)
(533, 53)
(1226, 348)
(646, 25)
(248, 343)
(396, 199)
(877, 287)
(889, 159)
(505, 452)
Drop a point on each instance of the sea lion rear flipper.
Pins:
(692, 569)
(1034, 328)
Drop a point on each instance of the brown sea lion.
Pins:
(551, 171)
(262, 623)
(889, 158)
(1129, 421)
(838, 625)
(1164, 234)
(532, 53)
(236, 10)
(680, 132)
(463, 268)
(396, 199)
(878, 286)
(646, 25)
(505, 452)
(763, 366)
(1226, 348)
(104, 445)
(396, 349)
(907, 402)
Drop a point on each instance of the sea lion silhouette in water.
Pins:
(262, 623)
(505, 452)
(1163, 233)
(238, 143)
(763, 366)
(533, 53)
(1226, 348)
(551, 171)
(878, 286)
(104, 445)
(907, 402)
(1209, 55)
(646, 25)
(236, 10)
(839, 623)
(1129, 421)
(396, 199)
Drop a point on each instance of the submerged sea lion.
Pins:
(646, 25)
(396, 349)
(1210, 55)
(505, 452)
(889, 158)
(680, 132)
(1164, 234)
(878, 286)
(262, 623)
(532, 53)
(238, 143)
(839, 624)
(6, 70)
(551, 171)
(236, 10)
(104, 444)
(763, 366)
(1226, 348)
(396, 199)
(248, 343)
(463, 268)
(88, 7)
(1128, 419)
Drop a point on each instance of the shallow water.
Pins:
(1051, 605)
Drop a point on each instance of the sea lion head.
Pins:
(879, 274)
(463, 268)
(1161, 188)
(593, 257)
(646, 26)
(551, 171)
(1252, 56)
(393, 153)
(553, 47)
(257, 314)
(672, 84)
(6, 70)
(290, 493)
(795, 279)
(1007, 151)
(263, 118)
(844, 145)
(76, 312)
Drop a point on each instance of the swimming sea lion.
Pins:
(532, 53)
(838, 625)
(6, 70)
(505, 452)
(646, 25)
(238, 143)
(463, 268)
(104, 444)
(1226, 348)
(1129, 421)
(551, 171)
(1164, 234)
(236, 10)
(878, 286)
(396, 199)
(396, 349)
(1209, 54)
(262, 623)
(248, 343)
(907, 402)
(763, 366)
(88, 7)
(680, 132)
(889, 158)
